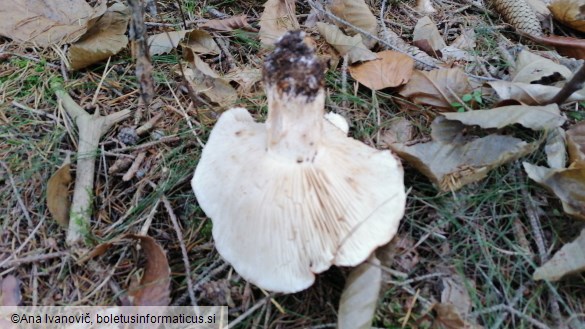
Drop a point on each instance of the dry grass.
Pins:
(481, 232)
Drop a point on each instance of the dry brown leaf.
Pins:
(451, 166)
(449, 318)
(576, 142)
(533, 117)
(277, 18)
(465, 41)
(359, 298)
(357, 13)
(58, 200)
(438, 88)
(532, 68)
(555, 149)
(106, 38)
(10, 291)
(399, 130)
(391, 69)
(570, 13)
(247, 78)
(399, 254)
(200, 42)
(163, 43)
(530, 94)
(567, 184)
(45, 23)
(204, 80)
(352, 46)
(568, 260)
(426, 29)
(228, 24)
(567, 46)
(155, 286)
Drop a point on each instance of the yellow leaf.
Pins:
(570, 13)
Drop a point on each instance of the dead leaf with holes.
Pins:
(358, 14)
(228, 24)
(569, 12)
(570, 259)
(58, 194)
(567, 184)
(45, 23)
(277, 18)
(439, 88)
(391, 69)
(106, 38)
(353, 47)
(359, 298)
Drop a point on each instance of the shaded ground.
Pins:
(483, 233)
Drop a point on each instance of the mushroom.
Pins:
(291, 197)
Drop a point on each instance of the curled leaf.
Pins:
(58, 193)
(352, 46)
(206, 81)
(360, 296)
(566, 46)
(438, 88)
(391, 69)
(570, 13)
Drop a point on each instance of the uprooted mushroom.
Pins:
(291, 197)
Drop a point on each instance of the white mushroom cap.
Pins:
(294, 196)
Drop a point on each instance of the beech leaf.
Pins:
(277, 18)
(359, 298)
(576, 142)
(391, 69)
(438, 88)
(228, 24)
(567, 184)
(426, 29)
(155, 286)
(569, 12)
(206, 81)
(45, 23)
(530, 94)
(568, 260)
(200, 42)
(106, 38)
(358, 14)
(532, 68)
(533, 117)
(352, 46)
(58, 200)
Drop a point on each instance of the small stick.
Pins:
(576, 83)
(35, 258)
(168, 139)
(148, 125)
(248, 312)
(90, 129)
(135, 166)
(183, 249)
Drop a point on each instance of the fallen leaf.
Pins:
(530, 94)
(567, 46)
(532, 68)
(449, 318)
(399, 254)
(358, 14)
(399, 130)
(569, 12)
(359, 298)
(533, 117)
(455, 54)
(45, 23)
(438, 88)
(277, 18)
(391, 69)
(426, 29)
(451, 166)
(228, 24)
(576, 142)
(58, 193)
(567, 184)
(10, 291)
(568, 260)
(200, 42)
(248, 78)
(352, 46)
(556, 152)
(465, 41)
(204, 80)
(106, 38)
(155, 286)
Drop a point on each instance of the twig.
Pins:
(90, 129)
(148, 125)
(183, 249)
(24, 243)
(228, 56)
(576, 83)
(16, 193)
(139, 45)
(134, 167)
(244, 315)
(35, 258)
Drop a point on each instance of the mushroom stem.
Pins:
(294, 124)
